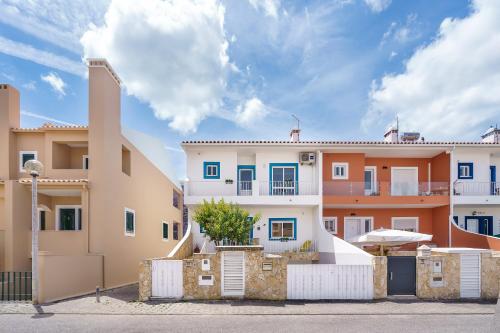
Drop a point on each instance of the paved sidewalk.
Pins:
(122, 301)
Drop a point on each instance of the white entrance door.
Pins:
(233, 273)
(167, 278)
(473, 225)
(245, 181)
(470, 276)
(370, 188)
(404, 181)
(355, 226)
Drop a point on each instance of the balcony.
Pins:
(253, 192)
(386, 193)
(479, 193)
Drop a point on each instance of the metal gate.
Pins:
(167, 278)
(328, 281)
(233, 273)
(401, 275)
(15, 286)
(470, 276)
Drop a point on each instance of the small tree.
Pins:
(223, 221)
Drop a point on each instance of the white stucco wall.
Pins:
(493, 210)
(481, 160)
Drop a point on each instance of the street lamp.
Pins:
(34, 168)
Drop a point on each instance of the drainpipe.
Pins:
(429, 178)
(452, 190)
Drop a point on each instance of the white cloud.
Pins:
(269, 7)
(170, 54)
(449, 86)
(45, 58)
(59, 22)
(29, 85)
(403, 32)
(249, 113)
(55, 81)
(378, 6)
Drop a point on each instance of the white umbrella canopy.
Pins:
(390, 237)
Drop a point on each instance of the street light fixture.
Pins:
(34, 168)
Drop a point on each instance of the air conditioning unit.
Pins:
(307, 158)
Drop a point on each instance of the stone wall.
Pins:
(192, 270)
(432, 284)
(145, 284)
(264, 284)
(302, 257)
(379, 277)
(490, 275)
(185, 249)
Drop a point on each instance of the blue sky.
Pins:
(240, 69)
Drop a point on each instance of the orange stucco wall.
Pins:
(440, 168)
(440, 225)
(461, 238)
(382, 218)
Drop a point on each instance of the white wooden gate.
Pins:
(328, 281)
(167, 278)
(233, 273)
(470, 275)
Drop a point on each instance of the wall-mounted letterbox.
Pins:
(205, 264)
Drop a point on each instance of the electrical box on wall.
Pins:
(205, 280)
(205, 264)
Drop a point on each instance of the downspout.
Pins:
(429, 178)
(452, 191)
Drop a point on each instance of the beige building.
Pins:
(103, 206)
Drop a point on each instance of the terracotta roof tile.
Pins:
(54, 181)
(407, 143)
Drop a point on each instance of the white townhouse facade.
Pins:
(476, 195)
(266, 178)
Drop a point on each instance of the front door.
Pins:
(245, 178)
(233, 273)
(401, 275)
(355, 226)
(479, 224)
(494, 189)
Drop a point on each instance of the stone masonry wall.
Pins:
(261, 284)
(145, 284)
(192, 269)
(490, 275)
(435, 285)
(379, 277)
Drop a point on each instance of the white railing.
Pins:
(249, 188)
(476, 188)
(293, 246)
(285, 188)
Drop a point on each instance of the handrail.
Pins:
(473, 188)
(182, 242)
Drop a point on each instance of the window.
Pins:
(129, 222)
(85, 162)
(284, 177)
(202, 230)
(355, 226)
(340, 170)
(211, 170)
(465, 170)
(126, 161)
(68, 218)
(176, 231)
(164, 230)
(280, 228)
(405, 223)
(25, 156)
(175, 199)
(330, 224)
(41, 219)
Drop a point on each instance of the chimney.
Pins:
(9, 118)
(492, 135)
(295, 135)
(391, 135)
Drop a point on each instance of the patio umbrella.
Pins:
(389, 237)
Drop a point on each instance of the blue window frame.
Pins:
(283, 228)
(211, 170)
(283, 178)
(465, 170)
(202, 230)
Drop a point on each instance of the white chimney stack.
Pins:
(392, 134)
(492, 135)
(295, 135)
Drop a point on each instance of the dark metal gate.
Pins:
(15, 286)
(401, 276)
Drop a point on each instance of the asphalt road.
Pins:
(248, 323)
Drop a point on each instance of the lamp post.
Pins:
(34, 168)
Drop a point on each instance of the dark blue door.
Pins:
(484, 224)
(493, 179)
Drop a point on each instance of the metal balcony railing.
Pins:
(476, 188)
(346, 188)
(286, 188)
(249, 188)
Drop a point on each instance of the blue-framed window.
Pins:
(283, 178)
(211, 170)
(283, 228)
(465, 170)
(202, 230)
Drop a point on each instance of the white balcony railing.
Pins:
(477, 188)
(249, 188)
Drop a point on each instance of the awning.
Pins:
(390, 237)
